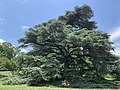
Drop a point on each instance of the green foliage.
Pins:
(91, 82)
(8, 53)
(8, 50)
(116, 69)
(2, 60)
(7, 64)
(33, 74)
(79, 18)
(24, 61)
(83, 50)
(48, 71)
(13, 80)
(88, 46)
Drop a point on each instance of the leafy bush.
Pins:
(81, 82)
(13, 80)
(24, 61)
(6, 64)
(1, 76)
(50, 69)
(33, 74)
(47, 71)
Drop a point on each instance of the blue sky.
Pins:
(17, 15)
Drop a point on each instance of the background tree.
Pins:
(8, 53)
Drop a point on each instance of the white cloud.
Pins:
(1, 41)
(23, 50)
(117, 51)
(25, 27)
(115, 34)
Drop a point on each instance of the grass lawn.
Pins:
(25, 87)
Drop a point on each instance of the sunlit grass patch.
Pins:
(25, 87)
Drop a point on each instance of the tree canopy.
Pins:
(79, 18)
(73, 40)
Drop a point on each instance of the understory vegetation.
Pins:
(66, 52)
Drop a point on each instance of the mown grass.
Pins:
(25, 87)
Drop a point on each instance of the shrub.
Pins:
(50, 70)
(6, 64)
(33, 74)
(81, 82)
(13, 80)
